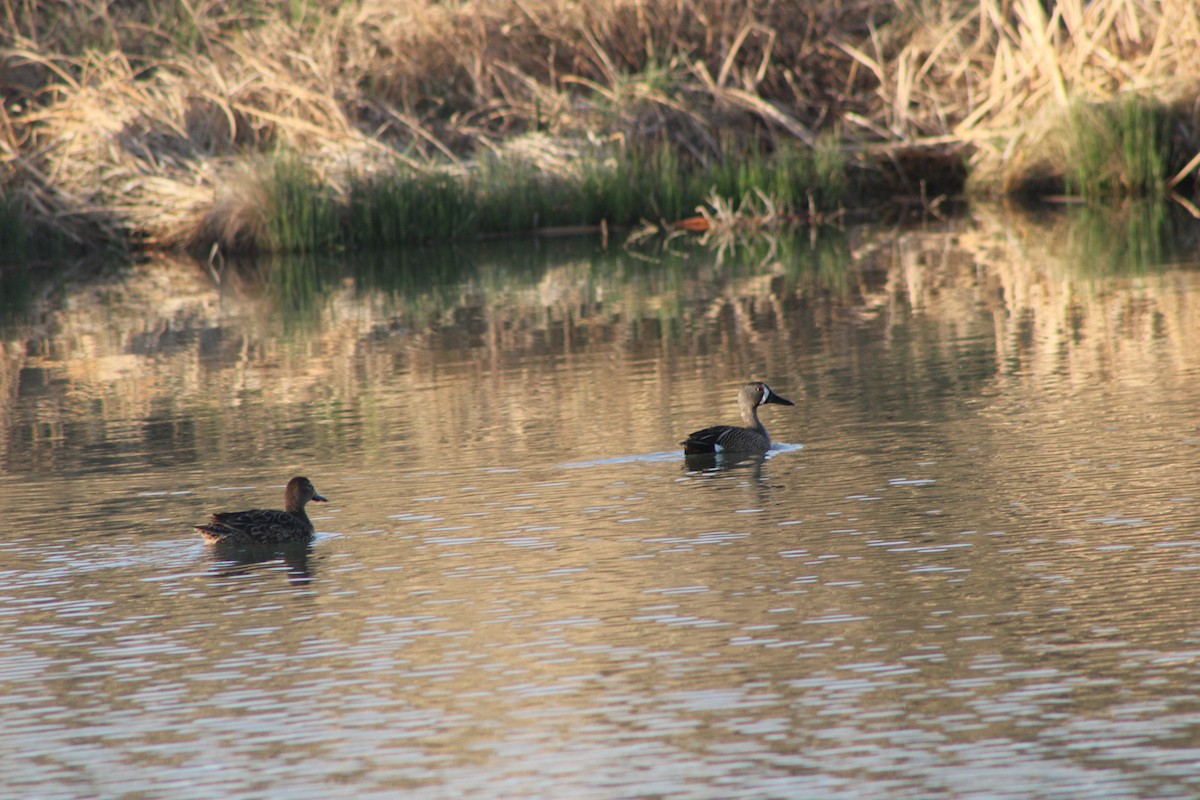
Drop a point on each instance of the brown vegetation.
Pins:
(150, 121)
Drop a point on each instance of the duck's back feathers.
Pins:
(726, 438)
(257, 525)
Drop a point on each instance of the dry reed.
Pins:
(114, 126)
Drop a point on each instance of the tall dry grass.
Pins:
(154, 121)
(1007, 78)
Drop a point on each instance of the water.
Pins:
(968, 571)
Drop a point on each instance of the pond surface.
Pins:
(969, 570)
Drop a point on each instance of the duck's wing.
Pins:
(708, 440)
(257, 525)
(725, 438)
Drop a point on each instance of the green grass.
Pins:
(303, 217)
(25, 237)
(404, 207)
(14, 240)
(1117, 149)
(16, 296)
(788, 177)
(618, 186)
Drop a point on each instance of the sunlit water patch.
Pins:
(974, 578)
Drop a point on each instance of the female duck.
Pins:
(752, 438)
(266, 526)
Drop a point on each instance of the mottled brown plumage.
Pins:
(733, 439)
(263, 525)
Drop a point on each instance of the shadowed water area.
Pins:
(969, 570)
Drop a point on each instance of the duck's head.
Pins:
(759, 394)
(300, 490)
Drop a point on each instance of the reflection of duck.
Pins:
(731, 439)
(716, 464)
(232, 557)
(266, 526)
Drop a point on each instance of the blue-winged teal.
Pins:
(752, 438)
(264, 525)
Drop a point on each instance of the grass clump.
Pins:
(25, 236)
(303, 216)
(501, 194)
(1130, 147)
(794, 177)
(1116, 149)
(14, 240)
(403, 206)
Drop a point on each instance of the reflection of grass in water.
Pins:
(292, 290)
(819, 263)
(565, 276)
(300, 286)
(414, 271)
(1136, 238)
(816, 257)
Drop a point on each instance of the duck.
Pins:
(752, 438)
(263, 525)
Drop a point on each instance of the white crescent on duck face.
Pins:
(752, 437)
(265, 525)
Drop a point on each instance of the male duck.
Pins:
(266, 526)
(752, 438)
